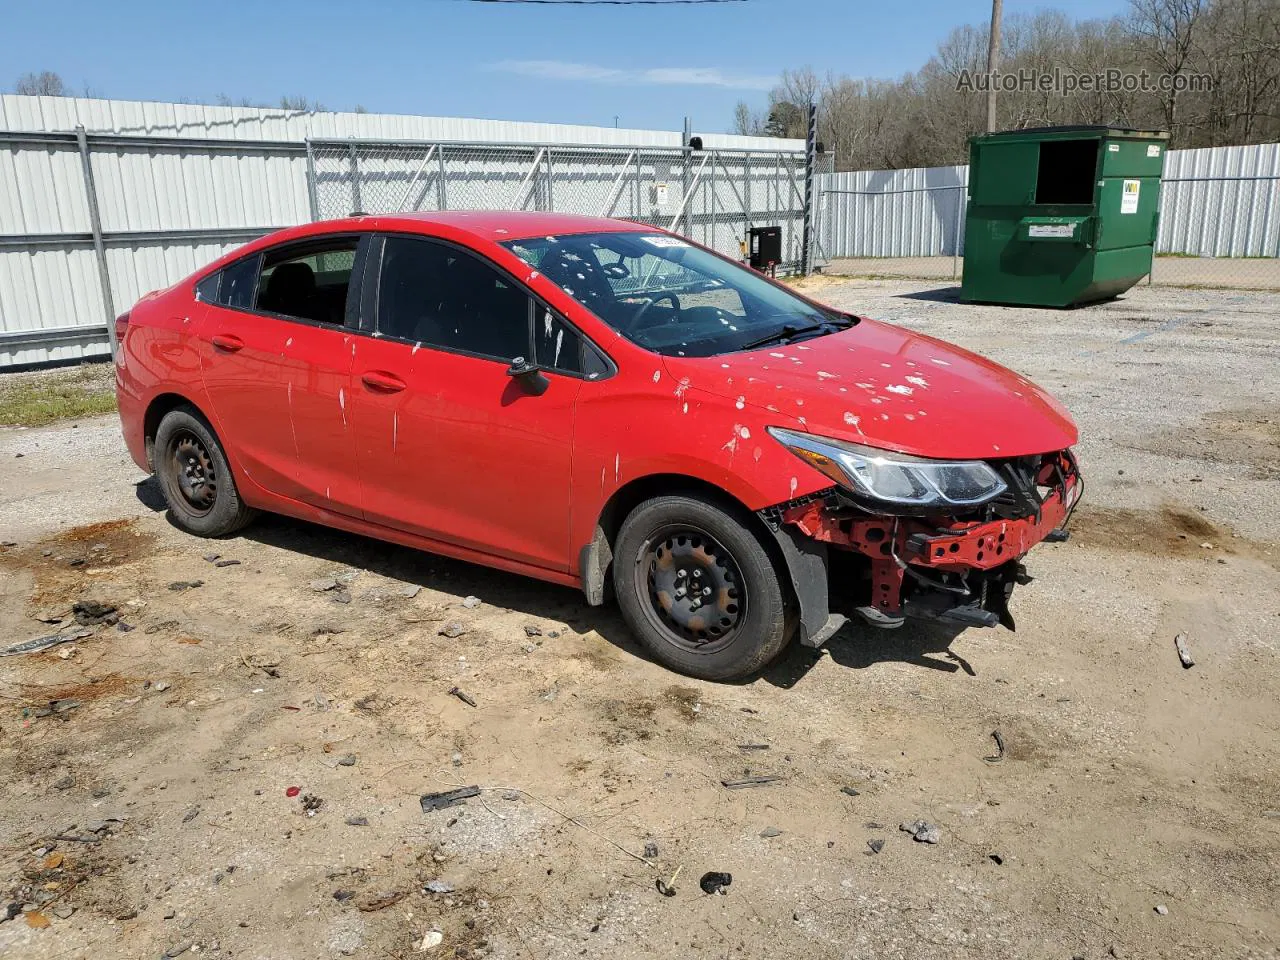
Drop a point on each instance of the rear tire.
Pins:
(196, 478)
(698, 589)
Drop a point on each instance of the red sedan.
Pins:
(594, 401)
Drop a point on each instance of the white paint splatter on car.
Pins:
(919, 381)
(899, 388)
(342, 405)
(740, 402)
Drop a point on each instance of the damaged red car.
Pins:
(601, 404)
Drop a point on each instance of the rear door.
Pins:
(277, 351)
(451, 445)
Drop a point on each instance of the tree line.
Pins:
(46, 83)
(1223, 58)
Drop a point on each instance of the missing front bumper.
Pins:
(952, 570)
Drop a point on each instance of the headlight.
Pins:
(895, 478)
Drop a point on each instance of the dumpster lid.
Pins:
(1100, 131)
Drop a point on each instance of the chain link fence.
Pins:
(713, 196)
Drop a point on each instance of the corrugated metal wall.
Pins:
(1215, 202)
(222, 194)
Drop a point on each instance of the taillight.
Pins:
(122, 326)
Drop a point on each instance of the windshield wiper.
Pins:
(790, 331)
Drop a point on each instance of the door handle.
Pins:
(382, 382)
(224, 341)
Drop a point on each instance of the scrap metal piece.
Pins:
(448, 798)
(44, 643)
(750, 782)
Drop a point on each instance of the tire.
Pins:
(743, 622)
(196, 478)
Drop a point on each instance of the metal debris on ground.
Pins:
(191, 814)
(849, 791)
(1184, 651)
(226, 563)
(746, 782)
(177, 586)
(531, 630)
(437, 886)
(447, 798)
(463, 696)
(922, 830)
(876, 845)
(55, 708)
(452, 629)
(38, 644)
(356, 821)
(999, 754)
(753, 746)
(715, 882)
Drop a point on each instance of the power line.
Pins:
(607, 3)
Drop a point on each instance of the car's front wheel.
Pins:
(698, 588)
(195, 476)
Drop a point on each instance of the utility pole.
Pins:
(993, 63)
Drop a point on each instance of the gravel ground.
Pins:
(1136, 811)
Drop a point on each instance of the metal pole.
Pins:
(639, 173)
(709, 236)
(993, 63)
(312, 196)
(746, 204)
(551, 200)
(95, 226)
(955, 242)
(684, 173)
(810, 155)
(355, 179)
(440, 194)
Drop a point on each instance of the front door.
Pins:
(451, 446)
(276, 357)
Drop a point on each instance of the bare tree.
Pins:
(46, 83)
(1167, 31)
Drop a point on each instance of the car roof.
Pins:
(501, 225)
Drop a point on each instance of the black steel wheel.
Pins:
(695, 588)
(698, 588)
(195, 476)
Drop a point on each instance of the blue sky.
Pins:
(648, 66)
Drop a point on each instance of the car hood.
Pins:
(887, 387)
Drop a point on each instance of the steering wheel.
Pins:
(649, 302)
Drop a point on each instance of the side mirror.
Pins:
(529, 374)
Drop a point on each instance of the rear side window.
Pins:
(238, 283)
(308, 282)
(436, 295)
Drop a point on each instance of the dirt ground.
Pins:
(148, 799)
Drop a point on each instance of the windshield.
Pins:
(671, 297)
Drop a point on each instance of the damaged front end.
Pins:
(849, 551)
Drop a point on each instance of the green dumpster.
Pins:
(1061, 216)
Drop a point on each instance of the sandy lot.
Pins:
(146, 802)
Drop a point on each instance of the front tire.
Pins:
(196, 478)
(698, 589)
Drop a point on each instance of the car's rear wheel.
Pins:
(698, 588)
(195, 476)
